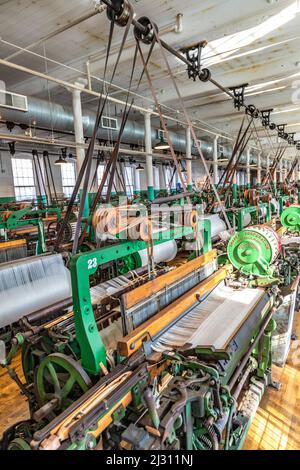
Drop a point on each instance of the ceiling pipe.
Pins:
(59, 118)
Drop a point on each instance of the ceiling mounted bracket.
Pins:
(281, 131)
(194, 57)
(239, 95)
(291, 138)
(265, 117)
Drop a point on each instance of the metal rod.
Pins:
(242, 382)
(49, 311)
(175, 197)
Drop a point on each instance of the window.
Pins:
(100, 173)
(68, 177)
(129, 180)
(23, 179)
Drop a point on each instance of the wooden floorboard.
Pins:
(13, 405)
(276, 425)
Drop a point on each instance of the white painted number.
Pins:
(92, 263)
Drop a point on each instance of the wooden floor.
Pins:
(13, 406)
(275, 427)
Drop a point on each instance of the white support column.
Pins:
(281, 172)
(248, 170)
(78, 127)
(156, 179)
(149, 159)
(275, 176)
(259, 168)
(215, 160)
(189, 159)
(298, 173)
(162, 179)
(137, 181)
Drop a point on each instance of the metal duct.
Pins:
(60, 118)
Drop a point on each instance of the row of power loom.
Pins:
(154, 324)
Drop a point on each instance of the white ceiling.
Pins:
(255, 42)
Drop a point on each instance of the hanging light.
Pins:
(140, 167)
(60, 161)
(62, 158)
(162, 144)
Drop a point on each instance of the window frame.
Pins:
(22, 170)
(68, 181)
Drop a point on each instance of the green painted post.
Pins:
(150, 193)
(42, 200)
(235, 192)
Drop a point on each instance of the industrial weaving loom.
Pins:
(180, 369)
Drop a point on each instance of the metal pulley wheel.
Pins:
(253, 111)
(128, 263)
(290, 218)
(253, 250)
(205, 75)
(121, 14)
(19, 444)
(67, 233)
(17, 437)
(146, 37)
(60, 377)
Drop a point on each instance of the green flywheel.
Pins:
(253, 250)
(290, 218)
